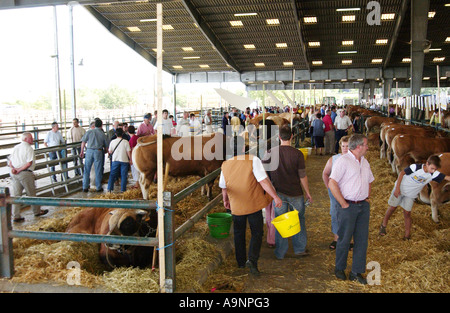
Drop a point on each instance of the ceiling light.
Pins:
(348, 18)
(343, 80)
(377, 60)
(134, 29)
(281, 45)
(190, 58)
(447, 5)
(347, 61)
(167, 27)
(441, 59)
(347, 52)
(260, 64)
(314, 43)
(360, 79)
(310, 20)
(236, 23)
(312, 81)
(148, 20)
(387, 16)
(431, 14)
(204, 65)
(381, 41)
(195, 24)
(249, 46)
(317, 63)
(347, 42)
(178, 67)
(245, 14)
(348, 9)
(406, 60)
(288, 63)
(426, 78)
(156, 50)
(187, 49)
(444, 77)
(435, 49)
(328, 80)
(272, 21)
(447, 39)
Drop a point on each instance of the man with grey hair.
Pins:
(22, 162)
(350, 183)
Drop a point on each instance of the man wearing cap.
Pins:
(96, 146)
(146, 128)
(22, 162)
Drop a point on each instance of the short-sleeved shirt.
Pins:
(145, 130)
(76, 133)
(166, 126)
(133, 141)
(95, 139)
(352, 176)
(120, 147)
(54, 139)
(258, 171)
(416, 178)
(21, 155)
(328, 122)
(342, 123)
(291, 167)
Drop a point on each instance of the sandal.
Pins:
(332, 245)
(382, 230)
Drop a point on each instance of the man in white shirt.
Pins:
(166, 123)
(120, 152)
(342, 124)
(183, 125)
(54, 138)
(76, 133)
(195, 125)
(208, 122)
(22, 162)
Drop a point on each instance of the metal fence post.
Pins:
(36, 138)
(6, 247)
(169, 238)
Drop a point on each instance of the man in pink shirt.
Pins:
(146, 128)
(350, 183)
(329, 133)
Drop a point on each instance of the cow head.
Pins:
(126, 222)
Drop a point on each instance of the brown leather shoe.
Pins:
(43, 212)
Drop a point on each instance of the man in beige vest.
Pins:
(246, 190)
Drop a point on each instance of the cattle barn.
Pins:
(156, 238)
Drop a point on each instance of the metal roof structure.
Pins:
(266, 40)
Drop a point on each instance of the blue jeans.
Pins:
(93, 157)
(333, 213)
(54, 156)
(298, 240)
(118, 168)
(353, 221)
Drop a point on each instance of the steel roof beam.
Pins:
(16, 4)
(398, 25)
(299, 31)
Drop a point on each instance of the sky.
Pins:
(27, 40)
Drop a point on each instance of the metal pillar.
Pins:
(387, 87)
(372, 84)
(72, 63)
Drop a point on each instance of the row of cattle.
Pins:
(403, 145)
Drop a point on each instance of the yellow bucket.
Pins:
(287, 224)
(305, 152)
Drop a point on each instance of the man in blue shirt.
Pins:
(96, 146)
(54, 138)
(333, 113)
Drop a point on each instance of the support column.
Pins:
(387, 87)
(372, 92)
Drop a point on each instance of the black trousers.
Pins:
(339, 134)
(255, 221)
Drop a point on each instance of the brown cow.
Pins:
(126, 222)
(418, 147)
(376, 121)
(192, 155)
(437, 194)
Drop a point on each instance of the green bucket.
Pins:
(219, 224)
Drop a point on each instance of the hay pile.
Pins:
(38, 261)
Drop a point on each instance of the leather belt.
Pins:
(355, 202)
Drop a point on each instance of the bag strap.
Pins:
(116, 147)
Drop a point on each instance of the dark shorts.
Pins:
(319, 141)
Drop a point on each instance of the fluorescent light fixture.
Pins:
(348, 9)
(431, 14)
(195, 24)
(178, 67)
(348, 18)
(134, 29)
(347, 42)
(156, 50)
(167, 27)
(435, 49)
(281, 45)
(190, 58)
(377, 61)
(204, 65)
(249, 46)
(343, 80)
(236, 23)
(347, 61)
(317, 62)
(360, 79)
(148, 20)
(288, 63)
(272, 21)
(187, 49)
(310, 20)
(443, 77)
(447, 5)
(260, 64)
(314, 43)
(388, 16)
(381, 41)
(406, 60)
(245, 14)
(328, 80)
(440, 59)
(348, 52)
(426, 78)
(312, 81)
